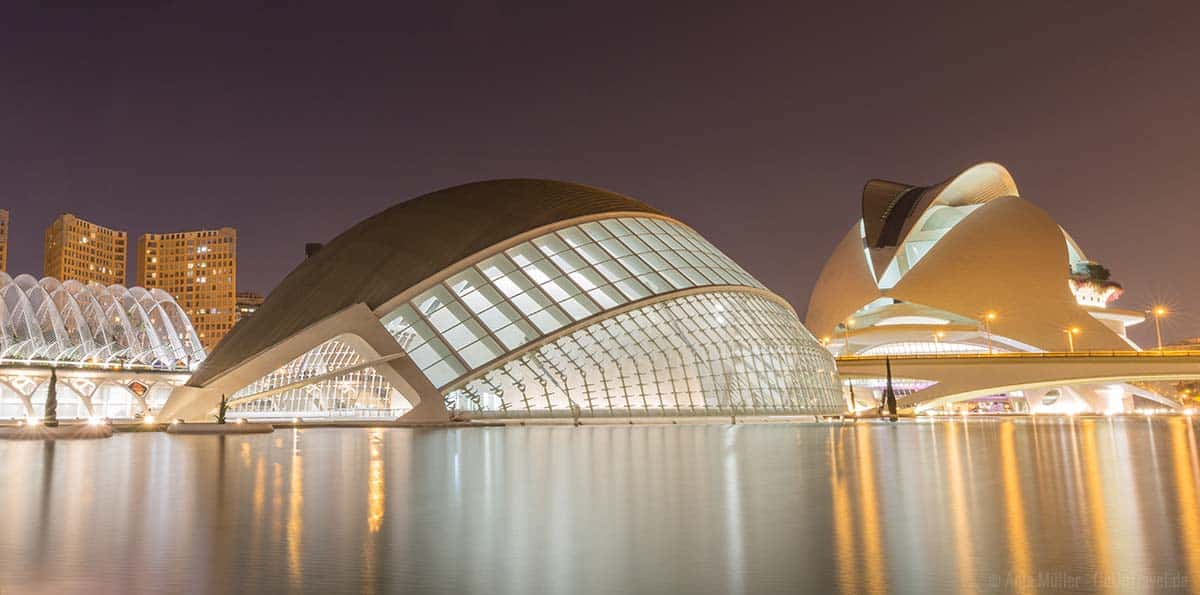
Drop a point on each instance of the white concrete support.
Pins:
(357, 326)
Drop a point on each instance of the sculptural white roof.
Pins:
(52, 322)
(952, 252)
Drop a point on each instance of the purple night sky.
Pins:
(757, 127)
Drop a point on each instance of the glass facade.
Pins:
(538, 287)
(723, 345)
(361, 392)
(703, 354)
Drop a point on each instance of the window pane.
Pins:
(550, 319)
(481, 300)
(465, 282)
(574, 237)
(595, 231)
(580, 307)
(568, 261)
(593, 253)
(550, 245)
(523, 254)
(481, 352)
(432, 300)
(464, 334)
(449, 316)
(496, 266)
(587, 279)
(444, 371)
(612, 271)
(607, 297)
(499, 317)
(633, 289)
(517, 335)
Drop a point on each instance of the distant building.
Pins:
(247, 304)
(81, 250)
(3, 240)
(198, 268)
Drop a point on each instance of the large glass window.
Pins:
(359, 392)
(705, 354)
(543, 285)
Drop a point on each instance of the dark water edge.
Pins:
(1015, 505)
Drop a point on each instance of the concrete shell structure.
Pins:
(964, 266)
(118, 350)
(67, 322)
(517, 298)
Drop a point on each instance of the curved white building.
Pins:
(118, 350)
(517, 298)
(966, 266)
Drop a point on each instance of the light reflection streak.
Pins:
(375, 483)
(869, 505)
(959, 510)
(295, 525)
(843, 519)
(1018, 539)
(1183, 444)
(1094, 489)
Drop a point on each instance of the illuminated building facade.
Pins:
(968, 266)
(248, 303)
(81, 250)
(199, 268)
(118, 351)
(517, 298)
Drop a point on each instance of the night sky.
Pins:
(757, 126)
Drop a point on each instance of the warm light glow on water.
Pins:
(1023, 506)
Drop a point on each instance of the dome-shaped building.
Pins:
(517, 298)
(968, 266)
(118, 350)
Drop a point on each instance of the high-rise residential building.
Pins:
(82, 250)
(198, 268)
(3, 239)
(247, 304)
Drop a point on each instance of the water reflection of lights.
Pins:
(295, 523)
(375, 482)
(1018, 539)
(871, 520)
(1183, 460)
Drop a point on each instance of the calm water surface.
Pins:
(980, 506)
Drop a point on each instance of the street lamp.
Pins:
(1071, 332)
(1159, 312)
(988, 317)
(937, 341)
(846, 326)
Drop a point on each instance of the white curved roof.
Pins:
(968, 245)
(52, 321)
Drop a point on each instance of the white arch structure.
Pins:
(101, 339)
(52, 322)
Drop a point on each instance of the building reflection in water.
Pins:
(941, 506)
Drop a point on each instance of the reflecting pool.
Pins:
(1026, 506)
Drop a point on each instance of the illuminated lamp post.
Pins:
(988, 318)
(1071, 332)
(937, 341)
(1159, 312)
(846, 327)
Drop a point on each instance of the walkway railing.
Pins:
(1024, 355)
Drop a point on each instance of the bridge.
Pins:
(967, 375)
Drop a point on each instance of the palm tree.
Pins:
(51, 412)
